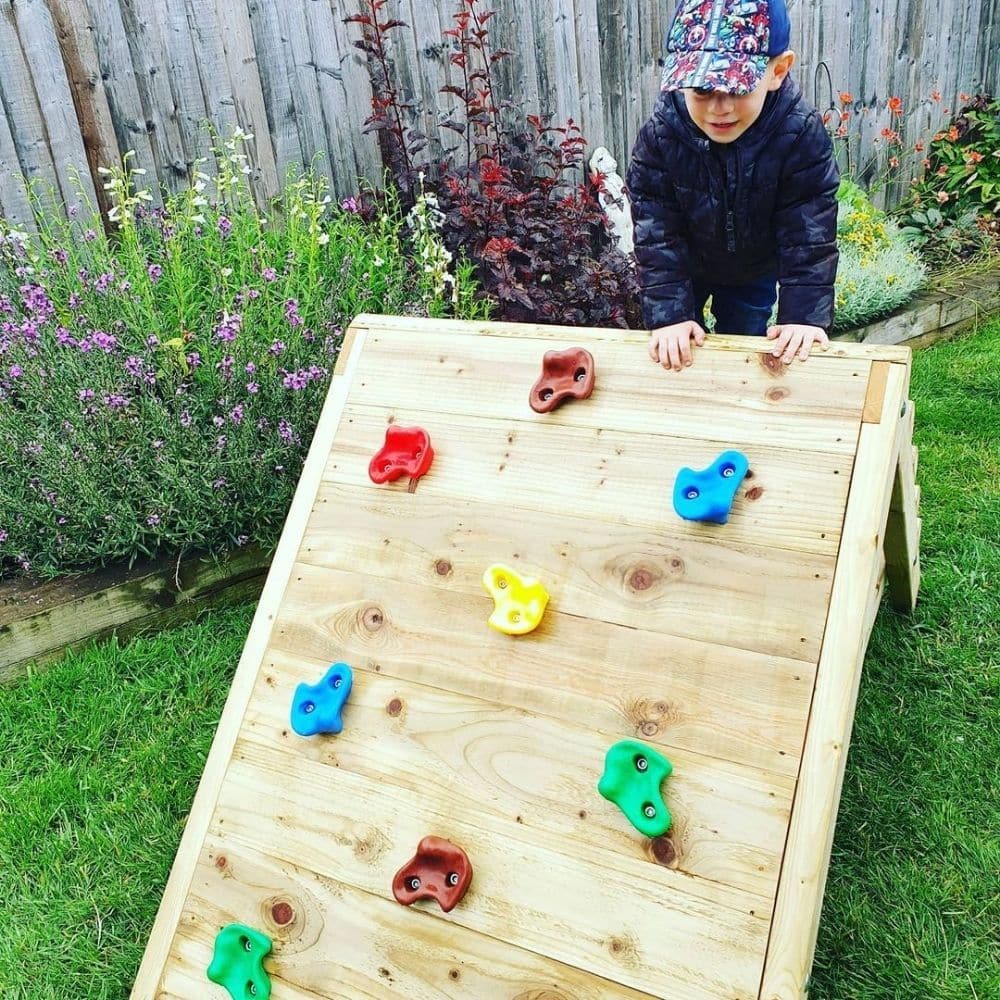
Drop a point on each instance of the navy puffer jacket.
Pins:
(730, 213)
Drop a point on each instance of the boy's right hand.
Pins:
(671, 345)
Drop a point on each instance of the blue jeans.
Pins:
(738, 308)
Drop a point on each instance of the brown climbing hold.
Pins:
(565, 375)
(440, 870)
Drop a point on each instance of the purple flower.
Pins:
(236, 414)
(218, 421)
(218, 484)
(254, 293)
(153, 520)
(241, 540)
(158, 444)
(228, 328)
(74, 301)
(155, 272)
(16, 371)
(292, 313)
(103, 281)
(225, 366)
(270, 274)
(90, 236)
(84, 344)
(277, 348)
(350, 205)
(225, 226)
(36, 301)
(3, 535)
(64, 338)
(286, 431)
(194, 359)
(253, 388)
(84, 395)
(135, 367)
(251, 368)
(152, 340)
(185, 418)
(115, 401)
(107, 342)
(295, 380)
(59, 255)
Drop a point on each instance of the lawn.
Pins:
(99, 758)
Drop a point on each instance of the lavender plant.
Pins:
(159, 388)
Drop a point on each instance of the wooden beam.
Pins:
(902, 531)
(807, 852)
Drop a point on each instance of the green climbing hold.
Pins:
(632, 776)
(238, 963)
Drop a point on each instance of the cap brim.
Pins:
(733, 73)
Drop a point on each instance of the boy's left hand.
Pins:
(793, 339)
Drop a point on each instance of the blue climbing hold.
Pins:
(316, 708)
(708, 495)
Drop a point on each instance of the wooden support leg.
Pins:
(902, 530)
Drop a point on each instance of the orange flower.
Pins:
(942, 197)
(894, 162)
(846, 98)
(938, 136)
(973, 157)
(936, 96)
(918, 147)
(896, 105)
(942, 171)
(890, 134)
(926, 163)
(964, 97)
(953, 133)
(842, 131)
(844, 116)
(826, 117)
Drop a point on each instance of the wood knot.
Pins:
(649, 728)
(372, 619)
(641, 579)
(676, 564)
(221, 862)
(282, 913)
(771, 364)
(777, 393)
(394, 707)
(664, 852)
(442, 567)
(756, 493)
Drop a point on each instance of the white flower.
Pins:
(323, 239)
(226, 272)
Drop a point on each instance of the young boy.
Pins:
(733, 188)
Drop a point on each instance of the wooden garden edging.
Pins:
(39, 622)
(937, 314)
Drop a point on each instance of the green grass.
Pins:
(99, 758)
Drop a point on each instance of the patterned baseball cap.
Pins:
(724, 44)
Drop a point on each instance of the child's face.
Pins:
(725, 117)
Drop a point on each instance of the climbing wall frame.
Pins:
(734, 650)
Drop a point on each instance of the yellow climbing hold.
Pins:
(519, 601)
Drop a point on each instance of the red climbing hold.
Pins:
(440, 871)
(407, 452)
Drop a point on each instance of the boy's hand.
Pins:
(671, 345)
(794, 339)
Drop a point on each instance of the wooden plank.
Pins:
(15, 205)
(664, 689)
(510, 463)
(150, 59)
(182, 872)
(128, 115)
(491, 761)
(62, 130)
(90, 99)
(20, 104)
(40, 624)
(638, 929)
(875, 396)
(902, 531)
(807, 854)
(418, 325)
(318, 949)
(818, 407)
(236, 33)
(666, 583)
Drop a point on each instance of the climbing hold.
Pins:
(238, 963)
(519, 602)
(565, 375)
(316, 708)
(440, 870)
(708, 495)
(407, 451)
(632, 776)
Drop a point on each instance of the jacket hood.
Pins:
(672, 111)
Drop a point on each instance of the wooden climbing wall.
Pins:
(734, 650)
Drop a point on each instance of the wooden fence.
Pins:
(82, 81)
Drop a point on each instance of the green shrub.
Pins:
(879, 270)
(158, 390)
